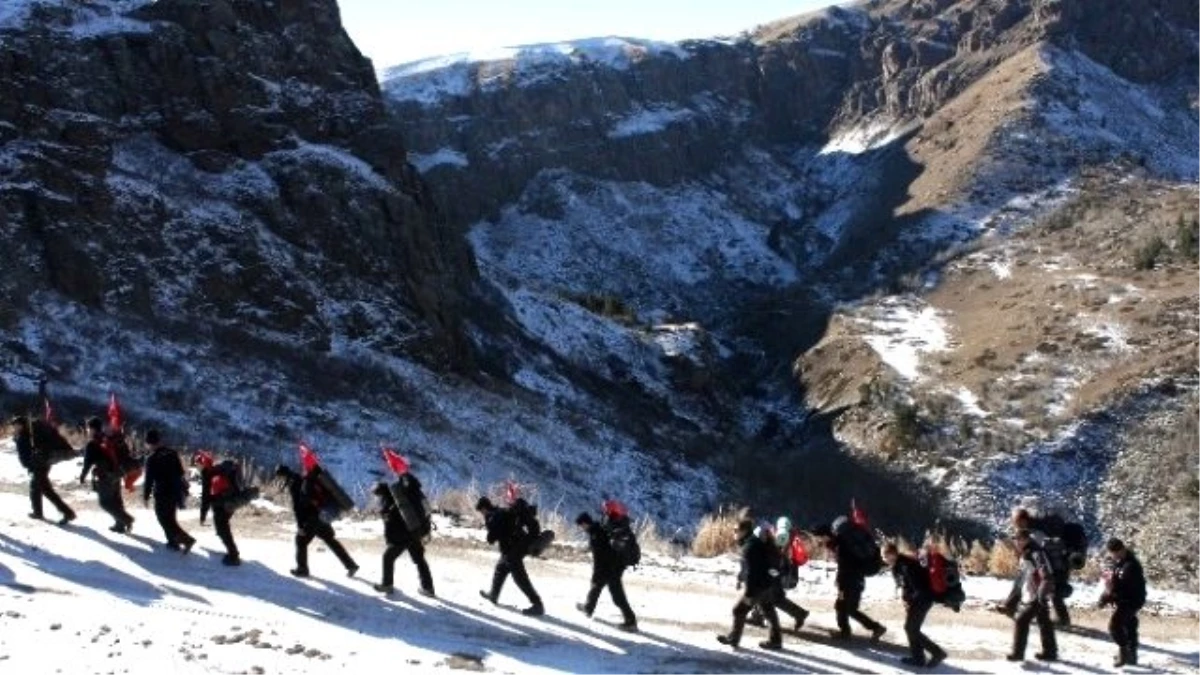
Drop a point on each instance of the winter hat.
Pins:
(153, 437)
(745, 526)
(483, 503)
(381, 489)
(1114, 545)
(584, 518)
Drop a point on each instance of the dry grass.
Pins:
(1003, 561)
(717, 532)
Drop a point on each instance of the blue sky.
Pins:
(396, 31)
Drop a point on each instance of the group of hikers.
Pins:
(771, 553)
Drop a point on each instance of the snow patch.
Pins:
(865, 137)
(441, 157)
(904, 329)
(87, 20)
(970, 402)
(648, 122)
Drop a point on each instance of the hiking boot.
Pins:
(628, 627)
(351, 571)
(1043, 656)
(231, 561)
(534, 610)
(299, 573)
(726, 640)
(771, 645)
(913, 661)
(1013, 657)
(119, 528)
(800, 620)
(936, 658)
(876, 633)
(37, 516)
(386, 589)
(1118, 660)
(170, 545)
(583, 608)
(187, 545)
(67, 518)
(427, 592)
(487, 596)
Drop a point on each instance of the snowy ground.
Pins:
(79, 599)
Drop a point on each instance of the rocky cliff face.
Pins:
(220, 164)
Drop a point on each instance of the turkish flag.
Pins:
(395, 461)
(857, 515)
(115, 420)
(308, 458)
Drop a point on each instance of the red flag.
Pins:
(857, 515)
(50, 419)
(395, 461)
(114, 412)
(511, 492)
(308, 458)
(614, 509)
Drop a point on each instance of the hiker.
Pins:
(916, 591)
(35, 461)
(607, 569)
(789, 554)
(219, 487)
(307, 501)
(1049, 531)
(852, 546)
(399, 537)
(164, 478)
(106, 476)
(1032, 596)
(513, 528)
(758, 588)
(1125, 590)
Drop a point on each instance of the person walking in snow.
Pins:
(165, 480)
(35, 461)
(1048, 532)
(513, 528)
(219, 485)
(790, 554)
(607, 570)
(306, 506)
(912, 578)
(1032, 594)
(757, 585)
(1125, 590)
(106, 474)
(851, 577)
(398, 536)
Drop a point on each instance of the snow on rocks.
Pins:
(865, 137)
(902, 328)
(87, 20)
(440, 157)
(648, 121)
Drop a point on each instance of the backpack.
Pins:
(624, 542)
(524, 520)
(1075, 541)
(945, 579)
(51, 445)
(413, 506)
(234, 493)
(860, 545)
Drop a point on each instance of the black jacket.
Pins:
(1126, 584)
(94, 456)
(913, 580)
(164, 477)
(25, 452)
(604, 558)
(511, 527)
(395, 530)
(758, 560)
(1050, 526)
(849, 575)
(207, 499)
(304, 506)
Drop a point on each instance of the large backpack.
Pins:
(945, 579)
(50, 444)
(1075, 541)
(413, 506)
(236, 493)
(860, 544)
(624, 541)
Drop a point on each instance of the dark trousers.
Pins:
(322, 530)
(40, 486)
(783, 604)
(616, 589)
(1024, 618)
(221, 519)
(1123, 627)
(846, 608)
(765, 602)
(109, 492)
(514, 565)
(416, 551)
(918, 643)
(166, 511)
